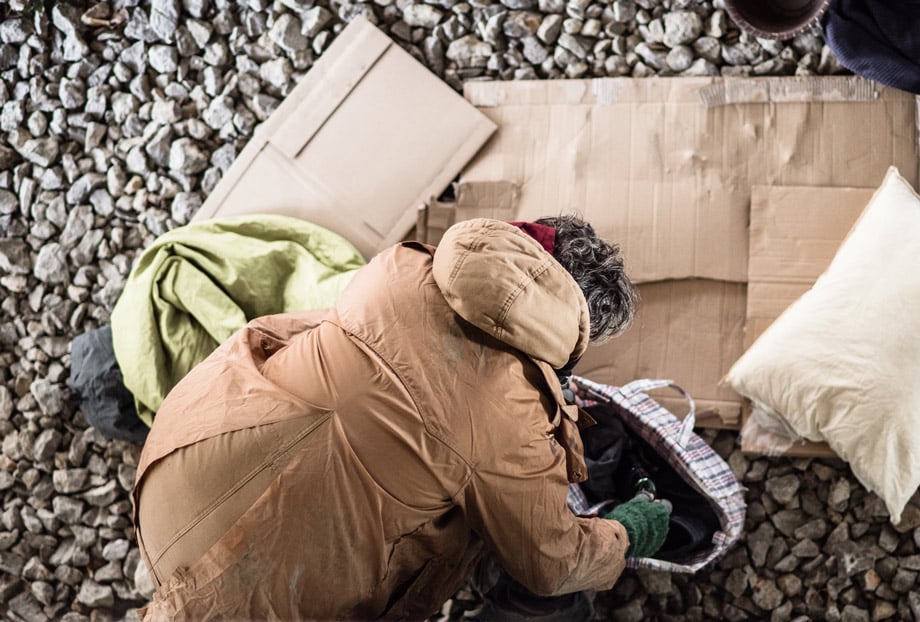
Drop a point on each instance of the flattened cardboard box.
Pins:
(665, 167)
(365, 138)
(795, 233)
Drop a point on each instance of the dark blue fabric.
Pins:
(100, 391)
(877, 39)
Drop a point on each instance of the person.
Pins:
(877, 40)
(358, 462)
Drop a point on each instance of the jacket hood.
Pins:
(503, 282)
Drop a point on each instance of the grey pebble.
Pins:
(550, 28)
(92, 594)
(51, 264)
(163, 58)
(422, 15)
(41, 151)
(286, 33)
(185, 156)
(164, 19)
(314, 20)
(681, 27)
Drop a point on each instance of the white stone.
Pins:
(422, 15)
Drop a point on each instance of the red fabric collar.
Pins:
(544, 234)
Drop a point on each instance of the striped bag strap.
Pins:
(637, 387)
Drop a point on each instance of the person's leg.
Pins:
(506, 600)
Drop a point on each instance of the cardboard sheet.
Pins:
(432, 220)
(364, 139)
(675, 336)
(665, 166)
(795, 233)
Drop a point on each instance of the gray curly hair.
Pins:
(597, 267)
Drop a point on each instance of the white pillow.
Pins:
(842, 363)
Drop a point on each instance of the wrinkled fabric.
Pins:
(356, 462)
(198, 284)
(877, 39)
(521, 307)
(605, 445)
(104, 401)
(544, 234)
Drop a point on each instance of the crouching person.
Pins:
(358, 462)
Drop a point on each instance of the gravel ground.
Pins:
(118, 122)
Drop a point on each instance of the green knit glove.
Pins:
(646, 524)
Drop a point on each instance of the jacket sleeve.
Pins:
(516, 501)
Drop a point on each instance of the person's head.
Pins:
(597, 267)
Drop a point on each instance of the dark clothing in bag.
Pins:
(106, 404)
(877, 39)
(693, 467)
(621, 464)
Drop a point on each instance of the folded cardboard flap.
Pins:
(367, 136)
(329, 88)
(795, 233)
(665, 167)
(432, 220)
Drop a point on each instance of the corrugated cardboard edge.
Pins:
(487, 199)
(601, 91)
(433, 219)
(593, 92)
(799, 89)
(917, 128)
(713, 414)
(708, 91)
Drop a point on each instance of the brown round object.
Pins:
(775, 19)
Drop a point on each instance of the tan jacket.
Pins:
(353, 463)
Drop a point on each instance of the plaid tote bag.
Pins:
(690, 457)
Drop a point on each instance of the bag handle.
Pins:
(646, 384)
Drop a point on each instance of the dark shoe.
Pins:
(686, 535)
(511, 602)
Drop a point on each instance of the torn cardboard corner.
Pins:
(665, 167)
(365, 138)
(432, 220)
(486, 200)
(795, 233)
